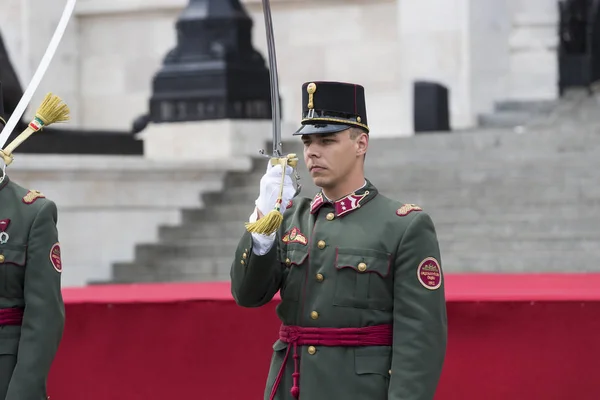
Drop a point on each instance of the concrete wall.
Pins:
(106, 205)
(484, 50)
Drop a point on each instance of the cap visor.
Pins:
(310, 129)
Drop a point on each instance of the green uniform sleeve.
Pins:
(255, 279)
(420, 324)
(44, 316)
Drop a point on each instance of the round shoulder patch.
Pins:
(430, 273)
(55, 258)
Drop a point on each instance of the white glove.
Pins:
(261, 244)
(269, 191)
(269, 188)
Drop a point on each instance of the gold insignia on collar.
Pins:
(311, 89)
(32, 196)
(407, 209)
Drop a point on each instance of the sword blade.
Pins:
(39, 73)
(275, 106)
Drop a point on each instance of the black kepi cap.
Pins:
(329, 107)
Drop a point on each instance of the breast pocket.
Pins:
(295, 260)
(13, 260)
(363, 279)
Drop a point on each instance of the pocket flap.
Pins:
(294, 257)
(367, 361)
(14, 255)
(279, 345)
(364, 260)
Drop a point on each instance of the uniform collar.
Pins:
(346, 204)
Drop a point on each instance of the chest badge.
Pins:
(294, 236)
(3, 235)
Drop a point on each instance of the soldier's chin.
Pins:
(320, 181)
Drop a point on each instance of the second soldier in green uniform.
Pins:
(363, 308)
(31, 306)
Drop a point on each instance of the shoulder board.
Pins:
(407, 209)
(32, 196)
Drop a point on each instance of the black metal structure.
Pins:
(431, 109)
(213, 72)
(579, 43)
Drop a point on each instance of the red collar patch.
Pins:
(294, 236)
(349, 203)
(342, 206)
(316, 203)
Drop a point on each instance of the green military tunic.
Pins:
(30, 267)
(363, 260)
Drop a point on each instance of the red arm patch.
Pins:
(430, 273)
(55, 258)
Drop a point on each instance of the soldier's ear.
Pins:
(362, 143)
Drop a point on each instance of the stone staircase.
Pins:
(510, 114)
(501, 201)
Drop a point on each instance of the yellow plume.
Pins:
(52, 110)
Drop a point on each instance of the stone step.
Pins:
(216, 214)
(535, 139)
(510, 247)
(448, 227)
(464, 209)
(437, 194)
(176, 270)
(549, 170)
(547, 230)
(541, 106)
(235, 180)
(530, 262)
(190, 233)
(528, 215)
(169, 253)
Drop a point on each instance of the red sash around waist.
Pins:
(378, 335)
(11, 316)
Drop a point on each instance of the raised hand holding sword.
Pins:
(271, 219)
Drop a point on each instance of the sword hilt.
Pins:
(290, 159)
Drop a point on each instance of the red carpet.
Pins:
(510, 338)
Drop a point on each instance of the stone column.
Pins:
(533, 50)
(434, 41)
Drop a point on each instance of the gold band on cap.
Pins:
(338, 120)
(311, 89)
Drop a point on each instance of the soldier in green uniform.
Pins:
(362, 307)
(32, 312)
